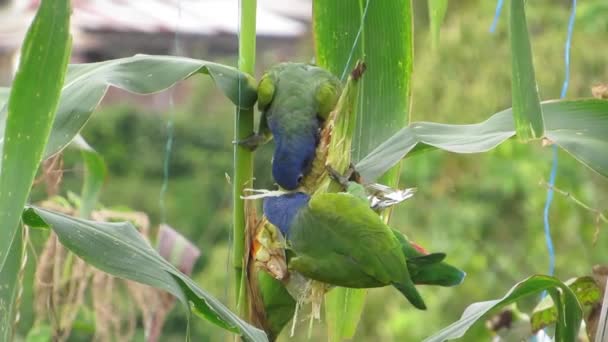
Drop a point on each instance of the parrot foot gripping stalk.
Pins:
(351, 175)
(252, 142)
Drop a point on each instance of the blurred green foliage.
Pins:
(484, 211)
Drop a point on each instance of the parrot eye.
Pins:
(300, 178)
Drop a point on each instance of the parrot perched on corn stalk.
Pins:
(294, 99)
(338, 239)
(333, 239)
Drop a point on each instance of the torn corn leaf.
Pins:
(586, 290)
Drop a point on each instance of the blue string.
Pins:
(553, 174)
(355, 43)
(548, 202)
(496, 16)
(567, 49)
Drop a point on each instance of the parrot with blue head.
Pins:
(336, 238)
(294, 99)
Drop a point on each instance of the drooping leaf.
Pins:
(86, 84)
(380, 34)
(94, 175)
(118, 249)
(580, 127)
(527, 110)
(570, 312)
(586, 290)
(26, 126)
(437, 9)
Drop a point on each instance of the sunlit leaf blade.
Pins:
(347, 305)
(437, 9)
(385, 45)
(580, 127)
(527, 110)
(26, 126)
(586, 290)
(380, 34)
(94, 175)
(9, 285)
(86, 84)
(531, 286)
(118, 249)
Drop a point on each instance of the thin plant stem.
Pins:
(599, 215)
(243, 158)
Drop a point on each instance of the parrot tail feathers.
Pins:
(425, 260)
(441, 274)
(411, 293)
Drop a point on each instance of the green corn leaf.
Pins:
(385, 45)
(26, 126)
(570, 310)
(86, 84)
(94, 175)
(118, 249)
(586, 290)
(9, 280)
(343, 311)
(437, 10)
(527, 110)
(580, 127)
(380, 34)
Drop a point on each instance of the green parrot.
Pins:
(424, 268)
(294, 99)
(337, 239)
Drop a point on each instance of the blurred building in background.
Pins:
(106, 29)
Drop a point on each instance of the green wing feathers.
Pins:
(347, 244)
(428, 269)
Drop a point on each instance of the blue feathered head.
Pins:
(293, 156)
(281, 210)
